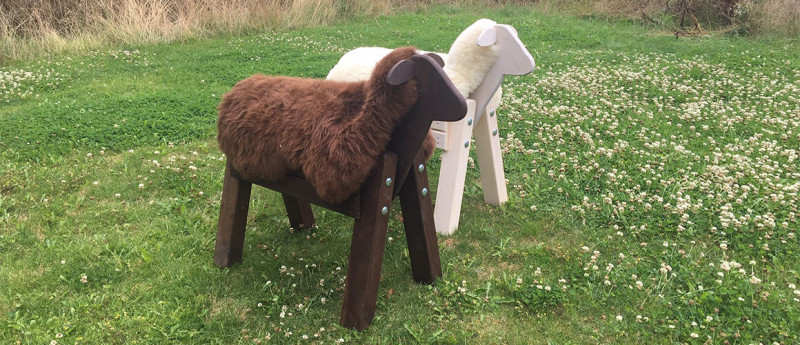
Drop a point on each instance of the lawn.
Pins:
(653, 197)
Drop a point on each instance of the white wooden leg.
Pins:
(490, 159)
(453, 172)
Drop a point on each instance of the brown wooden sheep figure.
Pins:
(345, 146)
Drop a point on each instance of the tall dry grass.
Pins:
(30, 28)
(777, 17)
(780, 17)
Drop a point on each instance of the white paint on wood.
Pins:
(513, 59)
(490, 159)
(452, 174)
(441, 139)
(439, 125)
(487, 37)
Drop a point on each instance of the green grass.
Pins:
(625, 150)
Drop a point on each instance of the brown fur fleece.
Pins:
(330, 131)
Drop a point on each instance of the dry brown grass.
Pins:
(780, 17)
(777, 17)
(32, 27)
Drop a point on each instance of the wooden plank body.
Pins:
(301, 216)
(415, 201)
(490, 157)
(232, 219)
(453, 173)
(367, 246)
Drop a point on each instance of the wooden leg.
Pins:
(490, 159)
(367, 246)
(301, 216)
(452, 174)
(232, 219)
(423, 249)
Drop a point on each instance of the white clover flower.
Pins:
(725, 266)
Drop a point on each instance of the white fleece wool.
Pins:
(466, 64)
(357, 64)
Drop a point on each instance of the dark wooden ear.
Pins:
(436, 58)
(401, 72)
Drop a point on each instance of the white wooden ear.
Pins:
(487, 37)
(401, 72)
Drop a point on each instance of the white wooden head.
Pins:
(513, 58)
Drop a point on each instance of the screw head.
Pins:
(466, 143)
(469, 122)
(384, 210)
(421, 168)
(388, 182)
(491, 113)
(424, 191)
(494, 132)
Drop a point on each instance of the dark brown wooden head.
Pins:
(439, 100)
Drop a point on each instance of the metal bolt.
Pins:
(466, 143)
(494, 132)
(424, 191)
(491, 113)
(388, 182)
(384, 210)
(421, 168)
(469, 122)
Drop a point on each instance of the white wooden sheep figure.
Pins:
(476, 63)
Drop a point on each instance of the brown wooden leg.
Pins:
(232, 219)
(301, 216)
(367, 246)
(415, 201)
